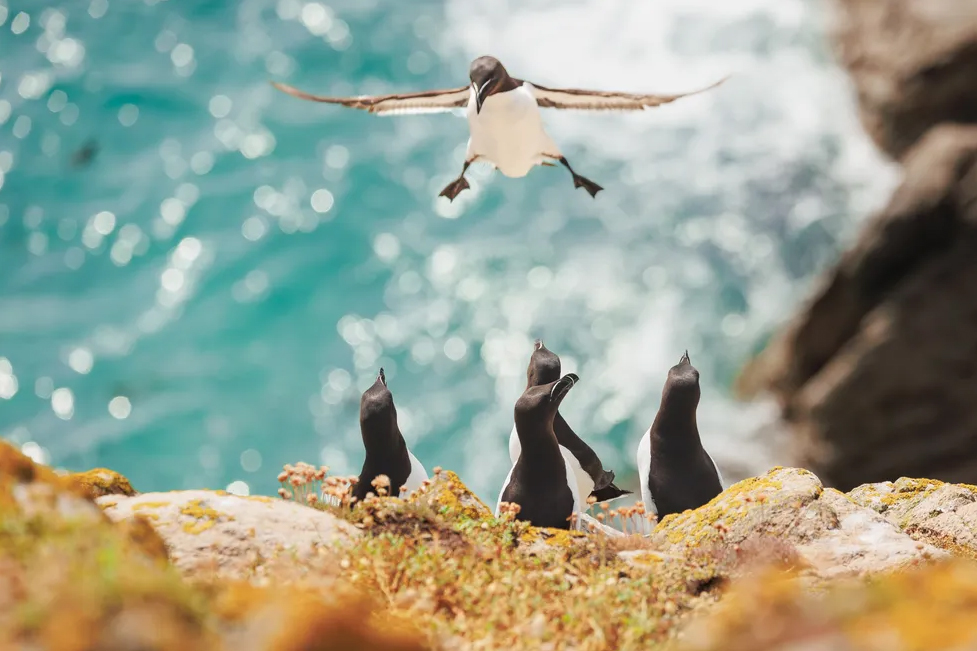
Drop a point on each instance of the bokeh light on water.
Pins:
(199, 275)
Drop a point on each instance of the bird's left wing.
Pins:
(430, 101)
(605, 100)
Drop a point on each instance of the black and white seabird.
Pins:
(541, 480)
(386, 449)
(592, 479)
(503, 117)
(675, 471)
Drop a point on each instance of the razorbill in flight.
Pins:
(541, 481)
(504, 120)
(592, 479)
(675, 471)
(386, 450)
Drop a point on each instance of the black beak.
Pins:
(482, 93)
(539, 344)
(685, 359)
(563, 385)
(381, 377)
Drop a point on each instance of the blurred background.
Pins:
(199, 275)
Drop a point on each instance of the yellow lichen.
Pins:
(554, 537)
(139, 506)
(99, 482)
(451, 493)
(204, 517)
(697, 526)
(906, 488)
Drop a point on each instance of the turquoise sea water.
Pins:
(205, 298)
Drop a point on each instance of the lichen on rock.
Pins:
(209, 570)
(832, 534)
(447, 493)
(99, 482)
(228, 534)
(944, 515)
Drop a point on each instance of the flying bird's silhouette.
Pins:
(503, 117)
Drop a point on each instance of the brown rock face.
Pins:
(914, 63)
(878, 372)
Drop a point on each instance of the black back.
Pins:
(539, 482)
(544, 367)
(681, 476)
(386, 450)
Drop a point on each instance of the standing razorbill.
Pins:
(541, 481)
(504, 120)
(592, 479)
(386, 450)
(675, 471)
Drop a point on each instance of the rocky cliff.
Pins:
(207, 570)
(877, 372)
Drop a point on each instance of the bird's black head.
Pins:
(682, 385)
(378, 416)
(488, 76)
(539, 404)
(544, 366)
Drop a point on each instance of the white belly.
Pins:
(585, 485)
(643, 459)
(417, 474)
(509, 133)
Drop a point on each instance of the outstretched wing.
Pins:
(431, 101)
(605, 100)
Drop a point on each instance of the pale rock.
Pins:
(228, 534)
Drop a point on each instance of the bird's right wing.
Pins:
(430, 101)
(605, 100)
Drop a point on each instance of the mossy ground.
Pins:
(440, 558)
(435, 570)
(69, 576)
(71, 580)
